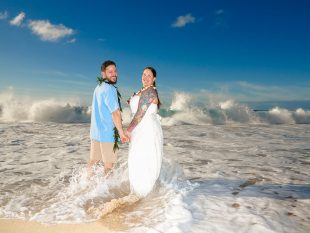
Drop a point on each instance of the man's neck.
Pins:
(105, 80)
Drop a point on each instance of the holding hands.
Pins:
(128, 134)
(124, 138)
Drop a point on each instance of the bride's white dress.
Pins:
(145, 150)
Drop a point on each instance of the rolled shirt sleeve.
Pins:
(111, 99)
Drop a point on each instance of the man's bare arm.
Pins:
(117, 119)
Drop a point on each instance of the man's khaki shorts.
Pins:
(102, 151)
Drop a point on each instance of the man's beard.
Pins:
(112, 82)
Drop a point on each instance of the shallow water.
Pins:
(215, 178)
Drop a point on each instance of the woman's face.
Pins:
(147, 78)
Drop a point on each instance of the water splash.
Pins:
(184, 109)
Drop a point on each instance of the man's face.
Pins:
(110, 73)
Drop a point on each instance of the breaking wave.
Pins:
(13, 109)
(182, 110)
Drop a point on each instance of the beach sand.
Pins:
(21, 226)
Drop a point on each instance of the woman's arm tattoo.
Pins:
(146, 98)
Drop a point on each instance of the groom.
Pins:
(105, 116)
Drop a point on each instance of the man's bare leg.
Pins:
(108, 168)
(90, 165)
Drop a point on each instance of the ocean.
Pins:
(226, 168)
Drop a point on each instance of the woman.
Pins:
(146, 138)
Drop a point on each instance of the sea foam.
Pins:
(183, 109)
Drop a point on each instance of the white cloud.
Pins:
(18, 19)
(243, 91)
(73, 40)
(182, 20)
(3, 15)
(246, 91)
(49, 32)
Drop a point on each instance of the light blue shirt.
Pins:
(105, 102)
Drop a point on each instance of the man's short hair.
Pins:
(106, 64)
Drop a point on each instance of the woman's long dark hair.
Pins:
(154, 83)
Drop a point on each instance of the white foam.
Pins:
(280, 116)
(187, 112)
(16, 109)
(184, 109)
(181, 101)
(228, 104)
(301, 116)
(44, 178)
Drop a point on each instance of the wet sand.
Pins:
(21, 226)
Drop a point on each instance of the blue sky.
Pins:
(248, 50)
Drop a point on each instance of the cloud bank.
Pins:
(245, 91)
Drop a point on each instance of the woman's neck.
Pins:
(146, 87)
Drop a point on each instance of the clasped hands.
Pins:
(125, 137)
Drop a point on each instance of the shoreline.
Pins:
(25, 226)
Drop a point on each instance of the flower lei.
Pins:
(101, 80)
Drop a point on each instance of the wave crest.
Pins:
(184, 109)
(14, 109)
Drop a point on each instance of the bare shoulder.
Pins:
(150, 91)
(150, 95)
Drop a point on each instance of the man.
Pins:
(104, 117)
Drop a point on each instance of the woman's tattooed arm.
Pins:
(146, 98)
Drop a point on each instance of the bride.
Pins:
(146, 138)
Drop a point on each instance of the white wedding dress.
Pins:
(145, 150)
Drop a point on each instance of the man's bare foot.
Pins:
(108, 172)
(90, 167)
